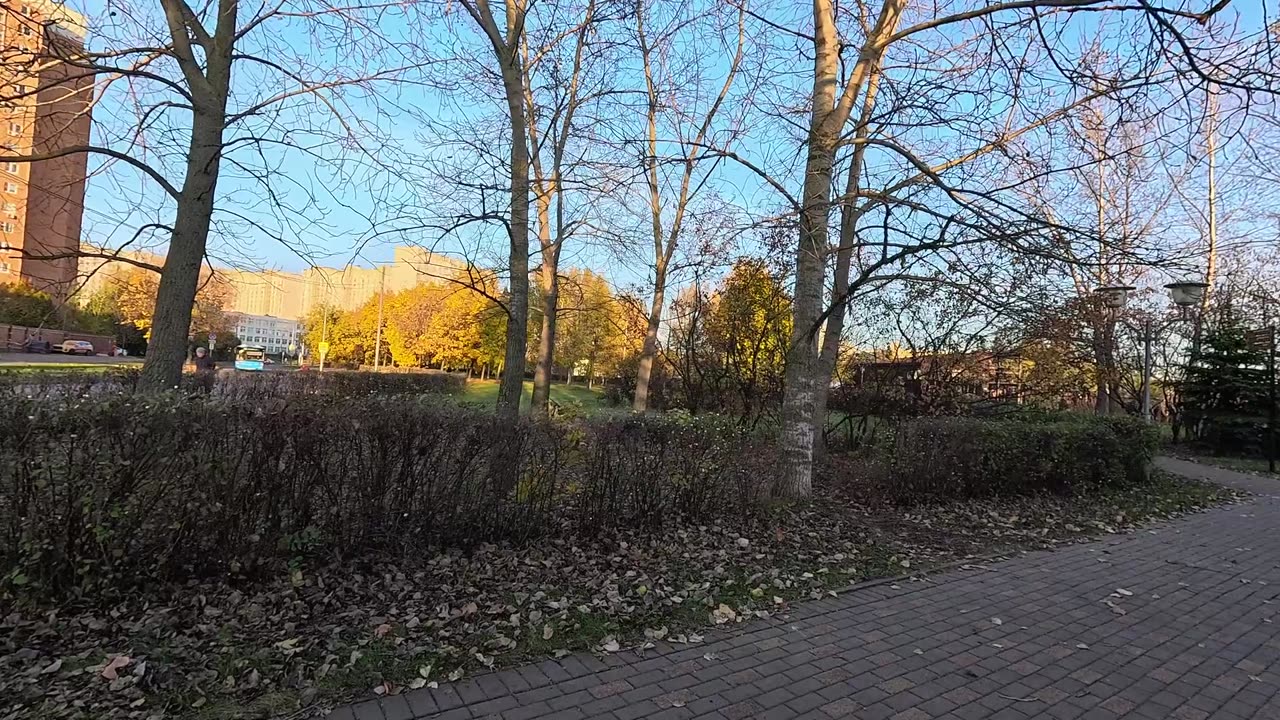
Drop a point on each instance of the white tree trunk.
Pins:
(826, 122)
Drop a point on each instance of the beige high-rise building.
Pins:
(290, 295)
(347, 287)
(46, 107)
(267, 292)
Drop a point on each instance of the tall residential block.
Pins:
(280, 294)
(45, 106)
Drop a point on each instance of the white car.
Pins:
(76, 347)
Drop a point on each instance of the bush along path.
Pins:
(277, 552)
(321, 633)
(1178, 621)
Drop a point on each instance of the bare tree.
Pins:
(676, 104)
(558, 97)
(185, 92)
(1007, 54)
(506, 37)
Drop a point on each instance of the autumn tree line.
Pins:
(1014, 154)
(459, 324)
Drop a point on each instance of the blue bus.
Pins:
(251, 358)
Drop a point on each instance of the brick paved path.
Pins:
(1172, 622)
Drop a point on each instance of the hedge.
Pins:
(228, 383)
(959, 458)
(99, 493)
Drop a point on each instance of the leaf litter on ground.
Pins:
(304, 640)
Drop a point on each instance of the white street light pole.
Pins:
(1184, 296)
(1148, 338)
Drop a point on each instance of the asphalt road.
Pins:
(55, 358)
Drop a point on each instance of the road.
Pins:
(52, 359)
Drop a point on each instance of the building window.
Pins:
(4, 268)
(15, 128)
(4, 245)
(11, 210)
(7, 227)
(13, 167)
(26, 30)
(11, 187)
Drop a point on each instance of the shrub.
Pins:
(946, 458)
(100, 493)
(645, 470)
(243, 385)
(337, 382)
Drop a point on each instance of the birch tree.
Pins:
(1019, 58)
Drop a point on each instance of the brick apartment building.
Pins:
(44, 106)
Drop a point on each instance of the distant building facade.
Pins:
(290, 295)
(267, 292)
(94, 274)
(46, 106)
(296, 295)
(280, 336)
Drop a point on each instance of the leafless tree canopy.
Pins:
(999, 160)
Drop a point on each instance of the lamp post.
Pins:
(1185, 295)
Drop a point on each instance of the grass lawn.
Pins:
(486, 392)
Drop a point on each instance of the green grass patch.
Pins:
(485, 392)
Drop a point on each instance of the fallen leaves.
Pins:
(114, 665)
(723, 614)
(381, 626)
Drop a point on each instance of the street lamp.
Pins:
(1184, 294)
(1115, 296)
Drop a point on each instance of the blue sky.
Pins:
(336, 211)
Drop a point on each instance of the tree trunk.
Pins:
(1211, 253)
(1103, 362)
(544, 370)
(650, 351)
(175, 297)
(850, 213)
(826, 122)
(512, 384)
(802, 355)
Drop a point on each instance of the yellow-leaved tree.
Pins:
(598, 333)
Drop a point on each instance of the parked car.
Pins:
(37, 346)
(76, 347)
